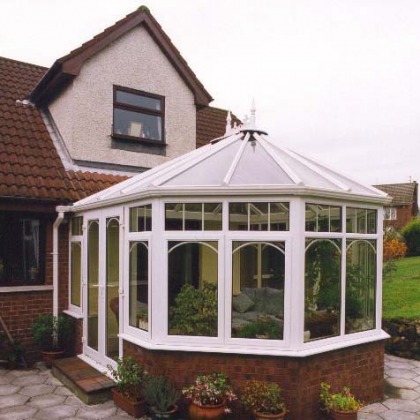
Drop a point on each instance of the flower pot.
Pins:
(344, 415)
(135, 409)
(164, 414)
(206, 412)
(259, 416)
(50, 356)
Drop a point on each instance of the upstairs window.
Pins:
(390, 213)
(138, 115)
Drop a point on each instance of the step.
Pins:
(90, 385)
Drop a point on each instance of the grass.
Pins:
(401, 290)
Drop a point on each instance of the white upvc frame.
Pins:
(157, 336)
(343, 236)
(99, 356)
(74, 310)
(145, 236)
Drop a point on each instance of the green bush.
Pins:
(195, 310)
(411, 234)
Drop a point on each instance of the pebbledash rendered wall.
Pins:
(133, 61)
(361, 367)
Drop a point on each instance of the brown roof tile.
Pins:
(402, 194)
(211, 123)
(30, 167)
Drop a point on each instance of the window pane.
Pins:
(141, 218)
(193, 216)
(137, 124)
(192, 288)
(22, 249)
(238, 216)
(138, 100)
(93, 283)
(76, 273)
(139, 285)
(360, 285)
(371, 221)
(77, 226)
(258, 216)
(213, 216)
(322, 288)
(322, 218)
(279, 216)
(174, 214)
(258, 270)
(112, 285)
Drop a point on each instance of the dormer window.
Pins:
(138, 115)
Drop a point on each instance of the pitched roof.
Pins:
(30, 167)
(67, 67)
(402, 194)
(211, 123)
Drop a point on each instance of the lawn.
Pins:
(401, 290)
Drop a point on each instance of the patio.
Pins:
(36, 394)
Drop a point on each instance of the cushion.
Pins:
(242, 303)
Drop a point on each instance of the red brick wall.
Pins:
(404, 215)
(360, 367)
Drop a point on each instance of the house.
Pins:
(120, 104)
(404, 206)
(280, 252)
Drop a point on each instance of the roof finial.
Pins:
(252, 120)
(228, 131)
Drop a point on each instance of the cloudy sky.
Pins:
(337, 80)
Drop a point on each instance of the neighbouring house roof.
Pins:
(66, 68)
(403, 194)
(247, 162)
(30, 167)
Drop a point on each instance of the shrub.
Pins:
(411, 234)
(160, 393)
(195, 310)
(394, 250)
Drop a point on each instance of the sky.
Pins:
(335, 80)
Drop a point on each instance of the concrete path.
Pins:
(35, 394)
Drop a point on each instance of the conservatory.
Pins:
(239, 247)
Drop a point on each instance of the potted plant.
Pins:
(161, 395)
(342, 405)
(129, 378)
(54, 335)
(208, 396)
(263, 399)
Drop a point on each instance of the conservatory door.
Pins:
(101, 323)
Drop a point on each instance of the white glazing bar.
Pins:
(283, 165)
(236, 160)
(176, 170)
(318, 170)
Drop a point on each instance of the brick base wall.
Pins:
(360, 367)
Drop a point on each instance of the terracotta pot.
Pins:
(343, 415)
(206, 412)
(135, 409)
(165, 414)
(277, 416)
(50, 356)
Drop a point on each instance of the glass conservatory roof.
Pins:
(248, 161)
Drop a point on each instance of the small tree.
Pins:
(394, 249)
(411, 234)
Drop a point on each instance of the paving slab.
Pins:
(44, 401)
(401, 373)
(20, 412)
(56, 412)
(27, 380)
(409, 394)
(12, 400)
(399, 415)
(402, 405)
(9, 389)
(403, 383)
(376, 408)
(34, 390)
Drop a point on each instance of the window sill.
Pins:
(23, 289)
(138, 145)
(144, 140)
(73, 314)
